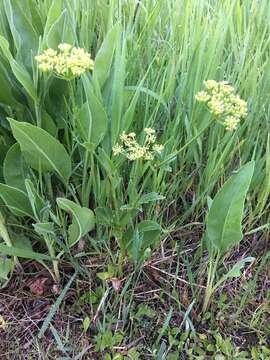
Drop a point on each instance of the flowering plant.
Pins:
(68, 62)
(221, 101)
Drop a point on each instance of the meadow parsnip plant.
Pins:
(108, 138)
(128, 129)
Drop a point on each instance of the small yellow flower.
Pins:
(149, 131)
(158, 148)
(117, 149)
(68, 62)
(231, 123)
(202, 96)
(222, 102)
(133, 150)
(64, 47)
(3, 323)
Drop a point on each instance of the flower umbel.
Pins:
(221, 100)
(68, 62)
(2, 323)
(132, 150)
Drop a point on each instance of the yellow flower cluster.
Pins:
(68, 62)
(222, 101)
(129, 146)
(2, 322)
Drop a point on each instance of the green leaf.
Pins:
(4, 44)
(83, 219)
(92, 118)
(24, 78)
(150, 197)
(18, 70)
(60, 31)
(104, 275)
(151, 231)
(7, 89)
(24, 35)
(235, 271)
(6, 266)
(41, 150)
(53, 14)
(103, 60)
(36, 201)
(139, 240)
(24, 253)
(145, 310)
(223, 226)
(86, 323)
(44, 228)
(105, 216)
(48, 124)
(16, 200)
(13, 168)
(21, 242)
(92, 121)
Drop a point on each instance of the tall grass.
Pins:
(151, 59)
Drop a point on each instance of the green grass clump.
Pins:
(106, 155)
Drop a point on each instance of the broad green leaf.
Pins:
(44, 228)
(105, 216)
(83, 219)
(21, 242)
(24, 253)
(92, 122)
(24, 78)
(16, 200)
(92, 118)
(223, 226)
(151, 231)
(36, 16)
(5, 48)
(103, 60)
(41, 150)
(48, 124)
(36, 201)
(7, 88)
(14, 168)
(53, 14)
(18, 70)
(137, 241)
(60, 31)
(24, 35)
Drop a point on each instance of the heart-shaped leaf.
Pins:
(225, 215)
(83, 219)
(16, 200)
(41, 150)
(14, 168)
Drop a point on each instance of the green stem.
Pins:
(48, 182)
(210, 280)
(85, 195)
(55, 262)
(5, 235)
